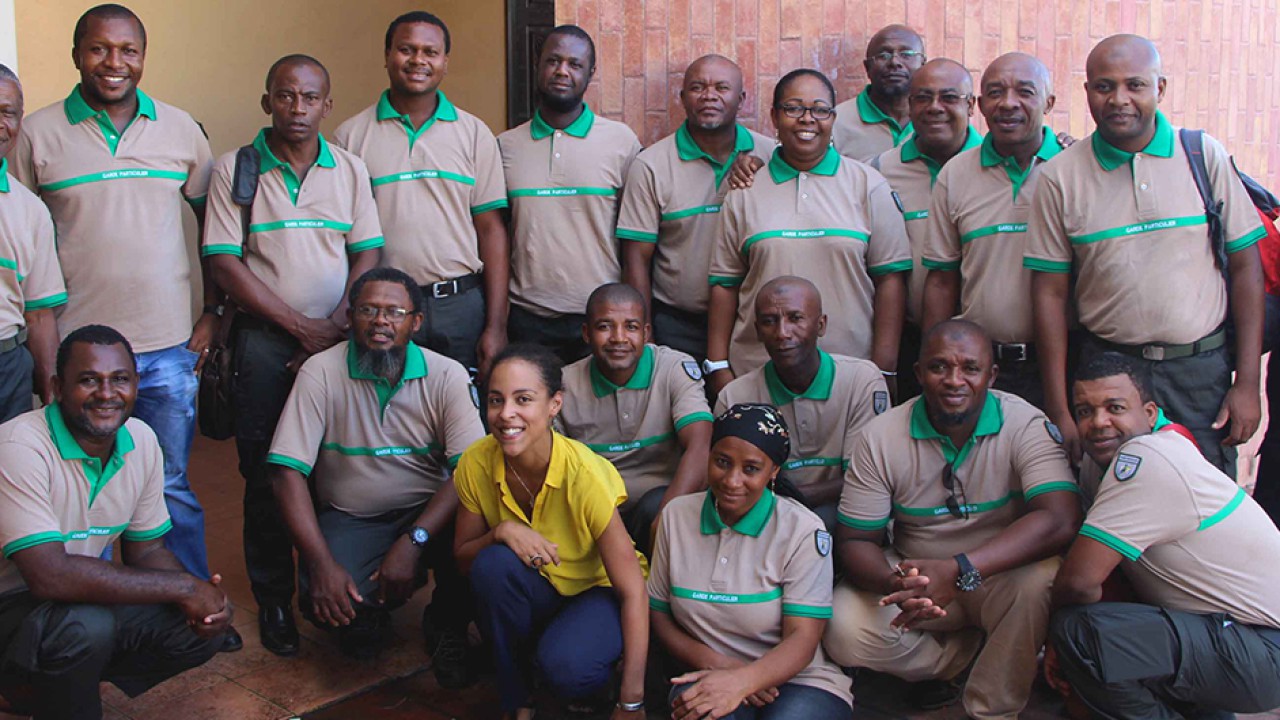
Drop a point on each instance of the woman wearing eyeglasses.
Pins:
(817, 215)
(740, 588)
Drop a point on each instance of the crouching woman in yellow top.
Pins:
(740, 589)
(551, 564)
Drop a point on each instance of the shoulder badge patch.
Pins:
(692, 370)
(879, 401)
(1126, 466)
(1053, 431)
(822, 539)
(475, 395)
(898, 201)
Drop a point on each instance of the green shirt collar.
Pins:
(752, 524)
(415, 368)
(819, 389)
(94, 470)
(911, 152)
(871, 114)
(444, 111)
(579, 128)
(1111, 157)
(267, 160)
(4, 175)
(689, 151)
(1162, 422)
(641, 377)
(781, 172)
(990, 422)
(78, 110)
(990, 157)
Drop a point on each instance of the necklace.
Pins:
(520, 480)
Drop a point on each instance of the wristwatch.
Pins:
(969, 578)
(418, 536)
(710, 366)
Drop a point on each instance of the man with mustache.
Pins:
(982, 501)
(74, 477)
(373, 428)
(437, 179)
(1118, 218)
(978, 220)
(565, 171)
(312, 230)
(878, 119)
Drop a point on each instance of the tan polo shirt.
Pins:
(672, 199)
(730, 587)
(30, 278)
(978, 226)
(635, 426)
(428, 183)
(1132, 227)
(911, 175)
(863, 131)
(371, 447)
(51, 491)
(564, 187)
(836, 224)
(897, 467)
(116, 200)
(1195, 541)
(300, 233)
(824, 419)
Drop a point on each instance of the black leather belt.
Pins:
(1158, 352)
(690, 318)
(449, 288)
(245, 321)
(14, 342)
(1013, 352)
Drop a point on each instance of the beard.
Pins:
(82, 425)
(559, 104)
(952, 419)
(386, 364)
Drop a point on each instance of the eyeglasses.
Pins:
(884, 56)
(817, 112)
(957, 506)
(950, 99)
(392, 314)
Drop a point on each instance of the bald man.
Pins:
(671, 201)
(982, 501)
(941, 104)
(978, 221)
(1120, 215)
(879, 117)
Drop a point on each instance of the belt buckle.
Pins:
(1020, 351)
(1154, 353)
(451, 285)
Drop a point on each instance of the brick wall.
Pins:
(1222, 57)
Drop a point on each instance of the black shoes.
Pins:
(935, 694)
(278, 631)
(231, 641)
(450, 659)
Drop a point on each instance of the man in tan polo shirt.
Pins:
(313, 228)
(115, 167)
(641, 406)
(565, 170)
(1118, 217)
(982, 501)
(941, 103)
(30, 277)
(437, 179)
(826, 399)
(671, 204)
(75, 476)
(978, 221)
(372, 429)
(879, 117)
(1202, 638)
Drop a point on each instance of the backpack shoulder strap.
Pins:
(1193, 146)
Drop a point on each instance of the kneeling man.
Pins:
(1203, 637)
(74, 476)
(375, 424)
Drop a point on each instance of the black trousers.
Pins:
(562, 334)
(1267, 492)
(16, 385)
(641, 515)
(1022, 378)
(262, 387)
(59, 652)
(680, 329)
(453, 326)
(1126, 660)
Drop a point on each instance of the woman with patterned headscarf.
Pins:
(740, 586)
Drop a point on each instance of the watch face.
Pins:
(419, 536)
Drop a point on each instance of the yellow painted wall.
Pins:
(210, 58)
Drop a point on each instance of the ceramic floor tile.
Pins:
(159, 698)
(224, 701)
(251, 659)
(319, 675)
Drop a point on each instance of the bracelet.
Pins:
(212, 310)
(889, 373)
(631, 706)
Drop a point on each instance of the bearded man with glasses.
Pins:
(983, 501)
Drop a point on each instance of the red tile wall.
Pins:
(1222, 57)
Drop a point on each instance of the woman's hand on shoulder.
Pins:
(528, 544)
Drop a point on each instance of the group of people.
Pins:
(974, 398)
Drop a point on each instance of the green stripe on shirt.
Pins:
(51, 301)
(41, 538)
(998, 229)
(562, 192)
(1128, 551)
(628, 446)
(422, 175)
(691, 418)
(274, 459)
(121, 174)
(1139, 229)
(942, 510)
(387, 451)
(635, 235)
(300, 224)
(690, 212)
(804, 235)
(1048, 266)
(858, 524)
(726, 598)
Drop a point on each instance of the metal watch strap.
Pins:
(969, 578)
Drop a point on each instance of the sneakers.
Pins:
(450, 659)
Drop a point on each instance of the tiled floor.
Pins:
(256, 685)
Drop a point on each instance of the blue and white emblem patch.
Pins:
(879, 401)
(692, 370)
(822, 540)
(1053, 431)
(475, 395)
(1126, 466)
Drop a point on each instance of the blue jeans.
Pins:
(575, 641)
(167, 402)
(795, 702)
